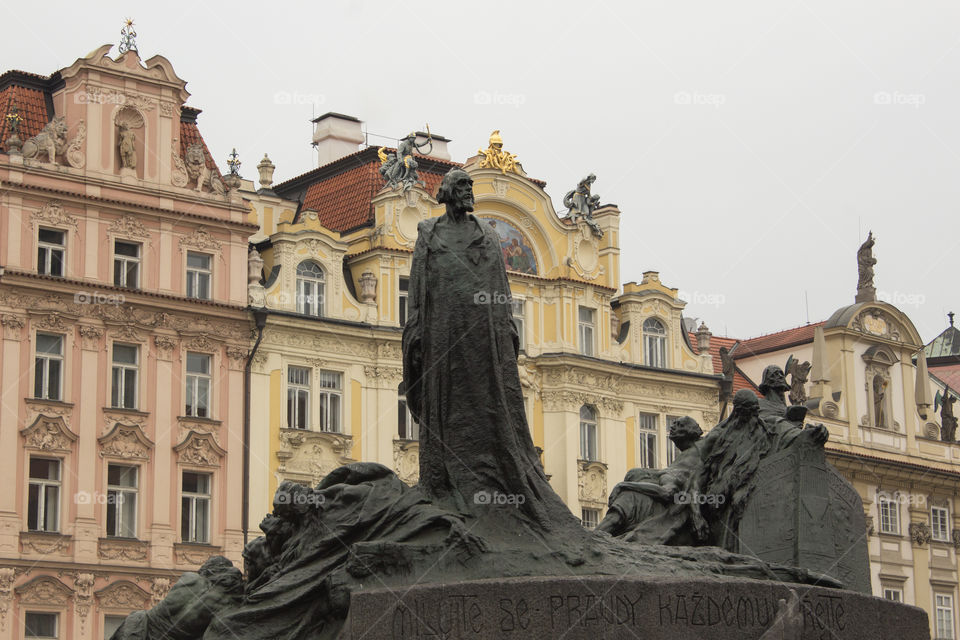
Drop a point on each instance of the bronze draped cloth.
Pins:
(461, 381)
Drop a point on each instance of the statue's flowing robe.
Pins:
(460, 377)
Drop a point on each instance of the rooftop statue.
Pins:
(865, 263)
(948, 421)
(580, 204)
(400, 169)
(494, 157)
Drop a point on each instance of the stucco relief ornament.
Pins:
(11, 326)
(196, 165)
(920, 532)
(123, 594)
(494, 157)
(199, 449)
(179, 176)
(159, 589)
(368, 287)
(44, 590)
(125, 441)
(51, 141)
(48, 434)
(75, 156)
(127, 143)
(84, 596)
(202, 240)
(128, 227)
(53, 213)
(90, 336)
(7, 576)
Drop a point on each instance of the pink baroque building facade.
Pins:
(123, 256)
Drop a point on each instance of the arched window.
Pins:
(654, 343)
(309, 288)
(588, 433)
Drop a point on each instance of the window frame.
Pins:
(299, 387)
(194, 274)
(123, 492)
(106, 616)
(126, 261)
(593, 520)
(195, 499)
(56, 625)
(589, 435)
(944, 632)
(893, 591)
(519, 321)
(47, 358)
(406, 425)
(316, 299)
(945, 522)
(655, 344)
(325, 405)
(120, 393)
(42, 497)
(48, 248)
(648, 440)
(403, 299)
(192, 387)
(892, 505)
(587, 331)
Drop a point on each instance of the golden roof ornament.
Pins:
(128, 37)
(496, 158)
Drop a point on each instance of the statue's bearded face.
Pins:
(774, 379)
(463, 193)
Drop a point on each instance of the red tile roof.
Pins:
(341, 191)
(32, 106)
(190, 134)
(776, 341)
(740, 379)
(949, 374)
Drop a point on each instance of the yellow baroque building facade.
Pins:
(603, 367)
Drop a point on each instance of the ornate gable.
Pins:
(48, 434)
(200, 449)
(123, 594)
(44, 590)
(125, 441)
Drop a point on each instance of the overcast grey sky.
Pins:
(750, 146)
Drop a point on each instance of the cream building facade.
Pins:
(603, 366)
(124, 340)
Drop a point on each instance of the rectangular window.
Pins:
(50, 244)
(590, 518)
(43, 503)
(122, 501)
(672, 451)
(407, 429)
(939, 526)
(586, 330)
(893, 594)
(517, 311)
(588, 433)
(889, 515)
(40, 625)
(198, 275)
(647, 431)
(198, 385)
(944, 616)
(298, 397)
(126, 264)
(48, 368)
(402, 300)
(123, 394)
(195, 508)
(329, 397)
(111, 624)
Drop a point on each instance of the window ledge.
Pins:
(45, 542)
(49, 403)
(198, 420)
(892, 536)
(194, 553)
(117, 548)
(126, 412)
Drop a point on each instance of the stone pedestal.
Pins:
(611, 608)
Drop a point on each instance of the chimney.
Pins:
(439, 151)
(650, 277)
(336, 136)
